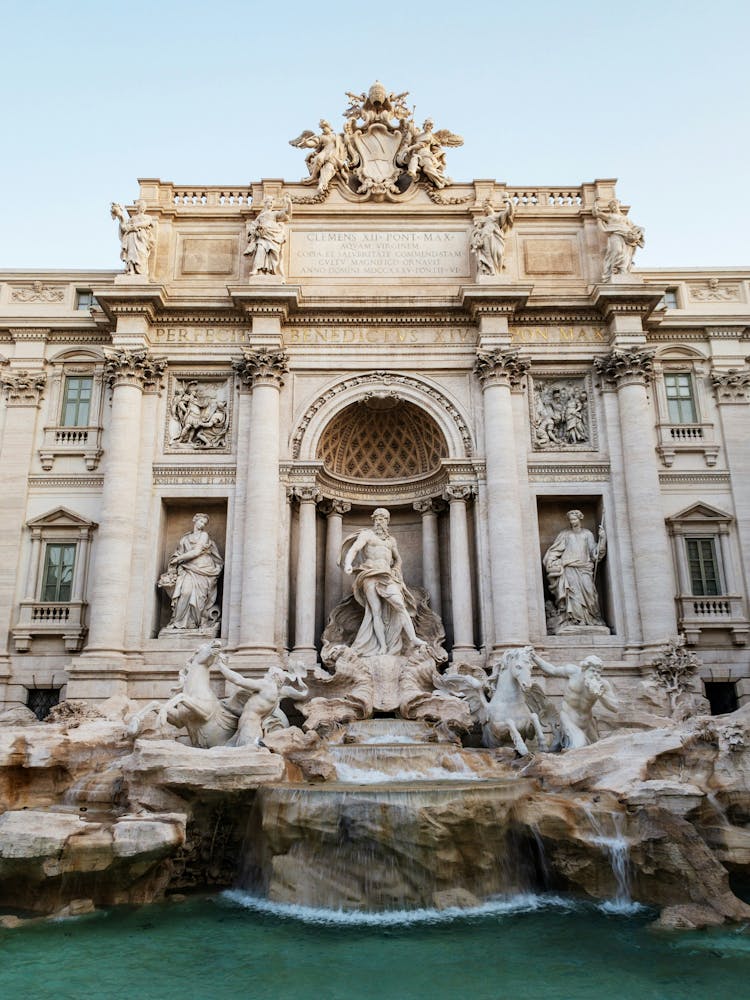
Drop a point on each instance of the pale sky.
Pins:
(97, 94)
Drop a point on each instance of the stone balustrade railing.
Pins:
(50, 618)
(544, 197)
(212, 197)
(721, 611)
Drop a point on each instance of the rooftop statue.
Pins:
(622, 238)
(266, 236)
(487, 241)
(381, 152)
(137, 236)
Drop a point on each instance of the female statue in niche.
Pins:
(192, 576)
(570, 563)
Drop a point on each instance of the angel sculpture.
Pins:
(422, 152)
(515, 705)
(327, 156)
(137, 236)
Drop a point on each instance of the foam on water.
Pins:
(505, 906)
(369, 776)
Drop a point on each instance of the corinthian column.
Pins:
(306, 575)
(333, 590)
(499, 371)
(629, 372)
(457, 496)
(23, 392)
(429, 510)
(264, 372)
(128, 373)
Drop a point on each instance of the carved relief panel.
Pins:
(561, 413)
(199, 413)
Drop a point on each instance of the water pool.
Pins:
(230, 946)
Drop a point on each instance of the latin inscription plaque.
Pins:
(379, 253)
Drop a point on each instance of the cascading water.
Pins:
(616, 847)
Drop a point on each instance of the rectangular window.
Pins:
(57, 581)
(703, 566)
(669, 300)
(680, 398)
(85, 300)
(76, 401)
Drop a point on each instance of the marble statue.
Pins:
(512, 711)
(487, 241)
(570, 563)
(584, 689)
(258, 702)
(195, 706)
(137, 236)
(266, 237)
(191, 578)
(561, 414)
(327, 157)
(198, 416)
(424, 154)
(379, 587)
(622, 238)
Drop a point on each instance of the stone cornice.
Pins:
(619, 299)
(23, 387)
(266, 299)
(623, 367)
(258, 367)
(500, 367)
(137, 367)
(131, 300)
(494, 300)
(30, 333)
(732, 385)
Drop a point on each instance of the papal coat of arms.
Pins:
(381, 152)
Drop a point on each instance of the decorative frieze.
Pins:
(714, 291)
(134, 368)
(22, 387)
(37, 291)
(198, 414)
(732, 386)
(198, 475)
(560, 414)
(621, 367)
(504, 367)
(262, 367)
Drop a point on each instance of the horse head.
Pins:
(516, 664)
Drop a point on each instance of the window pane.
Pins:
(57, 581)
(85, 301)
(680, 398)
(76, 401)
(703, 566)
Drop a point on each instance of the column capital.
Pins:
(136, 367)
(430, 505)
(500, 368)
(456, 492)
(625, 367)
(303, 494)
(732, 385)
(258, 367)
(329, 505)
(23, 387)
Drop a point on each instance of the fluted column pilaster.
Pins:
(458, 496)
(333, 587)
(429, 509)
(306, 571)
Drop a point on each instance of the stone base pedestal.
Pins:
(582, 630)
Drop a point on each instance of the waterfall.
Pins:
(617, 849)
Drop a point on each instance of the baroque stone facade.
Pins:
(482, 359)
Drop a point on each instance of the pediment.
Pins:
(700, 513)
(60, 517)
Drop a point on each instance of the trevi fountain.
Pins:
(385, 641)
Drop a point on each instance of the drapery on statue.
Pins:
(570, 563)
(622, 238)
(424, 154)
(192, 575)
(137, 236)
(487, 241)
(266, 236)
(198, 418)
(379, 587)
(327, 156)
(585, 687)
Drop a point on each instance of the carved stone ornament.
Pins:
(198, 415)
(191, 581)
(459, 492)
(732, 386)
(381, 152)
(303, 494)
(333, 506)
(137, 236)
(714, 291)
(622, 238)
(133, 368)
(487, 240)
(560, 414)
(623, 366)
(36, 292)
(500, 366)
(258, 367)
(23, 387)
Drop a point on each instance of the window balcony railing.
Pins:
(83, 441)
(725, 611)
(698, 438)
(50, 619)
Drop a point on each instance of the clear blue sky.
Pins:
(96, 94)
